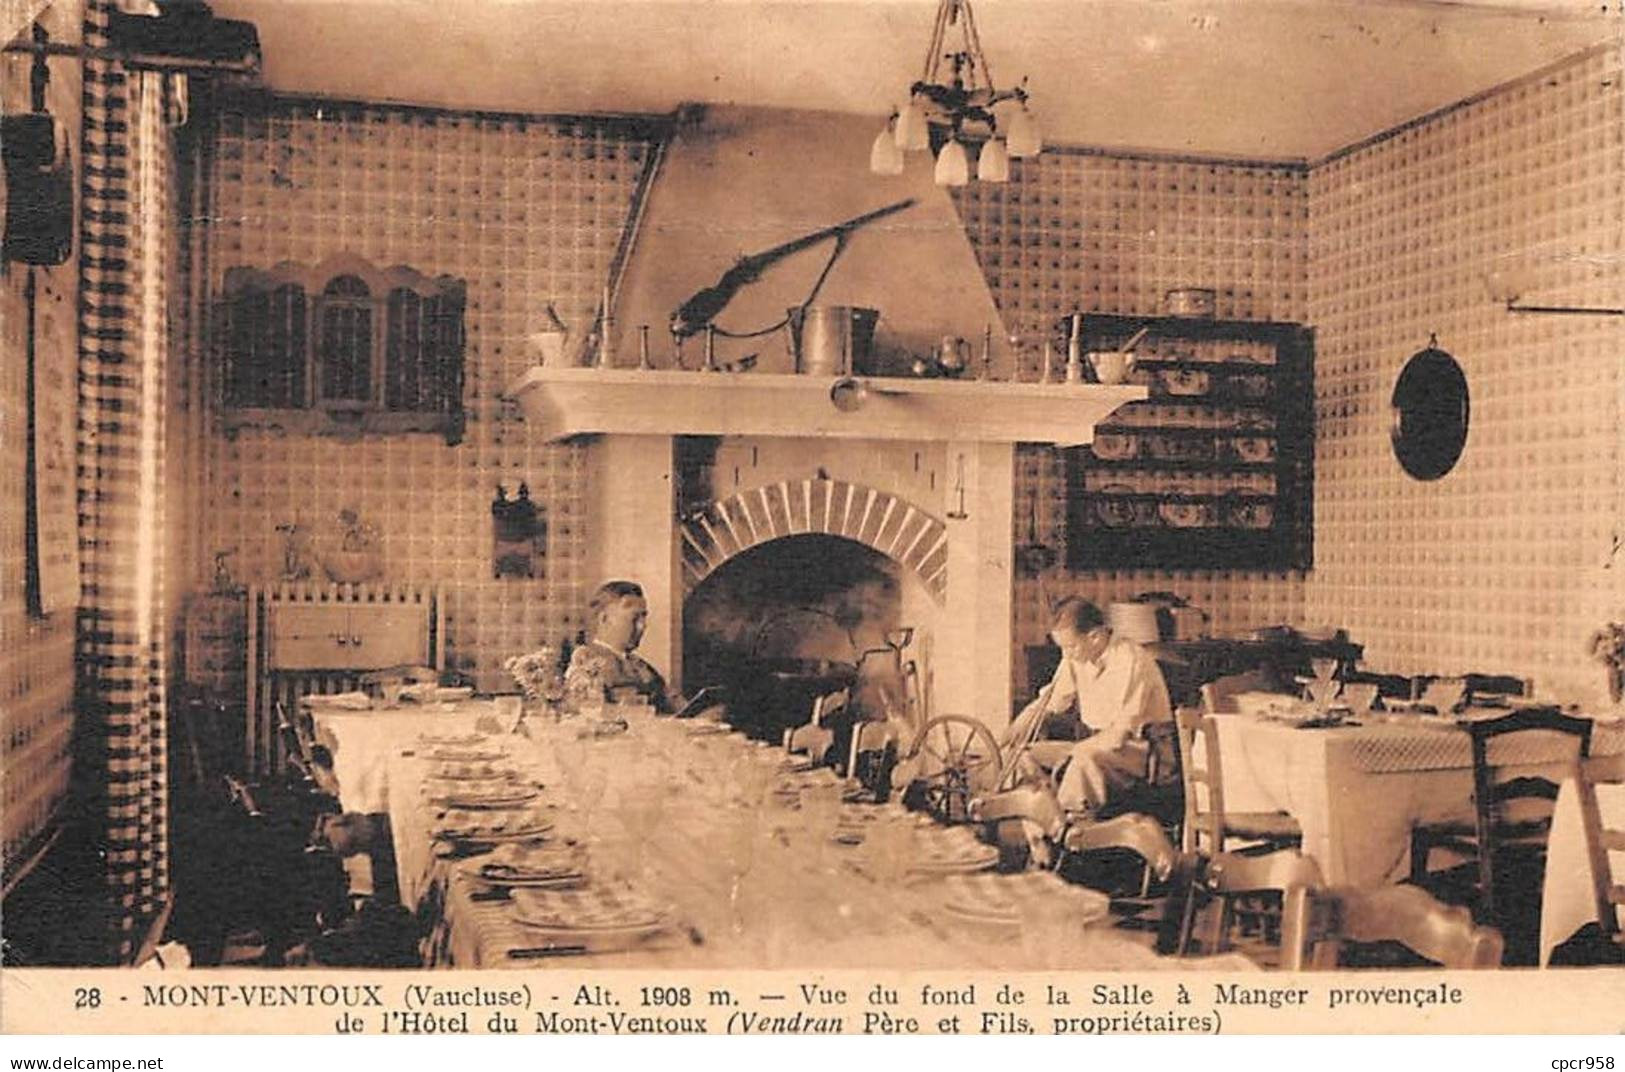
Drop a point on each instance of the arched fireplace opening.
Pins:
(790, 619)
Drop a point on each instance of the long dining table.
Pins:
(747, 857)
(1358, 789)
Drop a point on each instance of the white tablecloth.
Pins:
(810, 906)
(1567, 901)
(1358, 790)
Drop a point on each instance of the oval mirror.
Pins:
(1430, 411)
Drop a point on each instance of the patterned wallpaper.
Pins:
(1082, 230)
(36, 654)
(526, 211)
(1500, 566)
(1508, 562)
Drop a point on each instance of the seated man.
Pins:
(1115, 688)
(607, 667)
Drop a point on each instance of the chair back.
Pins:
(1219, 695)
(1226, 876)
(1601, 839)
(1162, 752)
(812, 737)
(1513, 809)
(1202, 781)
(1517, 808)
(1316, 927)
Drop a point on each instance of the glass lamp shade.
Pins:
(1024, 136)
(885, 158)
(911, 126)
(953, 166)
(993, 164)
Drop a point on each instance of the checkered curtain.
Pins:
(127, 234)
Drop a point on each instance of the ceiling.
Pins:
(1276, 79)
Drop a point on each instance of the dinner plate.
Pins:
(465, 755)
(593, 909)
(508, 795)
(479, 771)
(481, 825)
(548, 866)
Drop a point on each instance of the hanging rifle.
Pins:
(695, 314)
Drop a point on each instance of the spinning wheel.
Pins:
(954, 758)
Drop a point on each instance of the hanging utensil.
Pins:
(1033, 557)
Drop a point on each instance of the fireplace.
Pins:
(705, 484)
(792, 618)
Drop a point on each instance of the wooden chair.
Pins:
(1216, 883)
(1318, 925)
(1601, 839)
(1218, 695)
(1214, 822)
(872, 754)
(1512, 816)
(814, 738)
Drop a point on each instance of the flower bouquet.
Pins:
(1608, 647)
(537, 675)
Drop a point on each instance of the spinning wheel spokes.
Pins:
(966, 758)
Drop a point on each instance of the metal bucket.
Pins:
(832, 340)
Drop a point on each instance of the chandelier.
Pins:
(950, 110)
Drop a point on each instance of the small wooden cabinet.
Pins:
(1215, 469)
(310, 638)
(345, 636)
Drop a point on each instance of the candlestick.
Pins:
(1049, 361)
(711, 348)
(1074, 351)
(643, 347)
(987, 351)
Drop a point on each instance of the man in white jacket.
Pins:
(1114, 689)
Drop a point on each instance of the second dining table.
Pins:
(1358, 789)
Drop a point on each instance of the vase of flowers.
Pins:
(537, 675)
(1608, 647)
